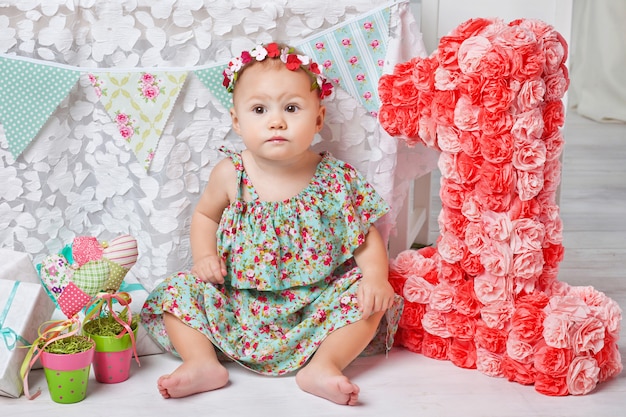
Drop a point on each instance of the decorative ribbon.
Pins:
(131, 287)
(55, 330)
(96, 309)
(8, 334)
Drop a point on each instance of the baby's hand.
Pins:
(210, 269)
(374, 295)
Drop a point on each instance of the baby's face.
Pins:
(275, 111)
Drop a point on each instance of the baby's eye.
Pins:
(291, 108)
(258, 109)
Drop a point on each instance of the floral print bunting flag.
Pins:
(139, 103)
(353, 56)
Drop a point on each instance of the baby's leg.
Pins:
(200, 371)
(323, 375)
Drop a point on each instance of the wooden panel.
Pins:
(439, 17)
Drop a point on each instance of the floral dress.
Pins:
(291, 279)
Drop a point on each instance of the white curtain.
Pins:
(598, 60)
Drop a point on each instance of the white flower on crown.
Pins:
(236, 64)
(259, 52)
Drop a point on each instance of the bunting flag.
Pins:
(353, 55)
(140, 100)
(140, 104)
(213, 79)
(29, 93)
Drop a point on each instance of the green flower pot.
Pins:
(67, 374)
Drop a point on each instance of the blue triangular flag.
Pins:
(213, 79)
(29, 93)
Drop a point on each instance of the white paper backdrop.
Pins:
(78, 177)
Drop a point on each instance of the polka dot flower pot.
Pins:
(67, 374)
(112, 358)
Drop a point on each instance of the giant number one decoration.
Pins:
(487, 297)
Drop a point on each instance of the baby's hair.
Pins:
(277, 53)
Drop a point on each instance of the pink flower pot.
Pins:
(112, 358)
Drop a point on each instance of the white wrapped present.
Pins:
(24, 306)
(17, 266)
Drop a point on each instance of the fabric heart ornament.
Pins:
(122, 250)
(72, 287)
(57, 276)
(85, 269)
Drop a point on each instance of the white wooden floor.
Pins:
(593, 208)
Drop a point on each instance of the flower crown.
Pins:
(287, 55)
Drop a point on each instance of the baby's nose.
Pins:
(277, 121)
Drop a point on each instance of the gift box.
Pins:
(17, 266)
(24, 306)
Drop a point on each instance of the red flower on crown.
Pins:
(246, 57)
(293, 62)
(273, 51)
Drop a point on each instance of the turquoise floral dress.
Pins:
(291, 280)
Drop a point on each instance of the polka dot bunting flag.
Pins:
(29, 93)
(213, 78)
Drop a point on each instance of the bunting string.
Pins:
(139, 100)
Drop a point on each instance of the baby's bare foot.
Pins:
(192, 378)
(329, 384)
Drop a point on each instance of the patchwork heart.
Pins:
(86, 268)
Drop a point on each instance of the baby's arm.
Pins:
(207, 263)
(375, 293)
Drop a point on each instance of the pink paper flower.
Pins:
(490, 288)
(417, 290)
(489, 363)
(496, 315)
(588, 336)
(434, 322)
(497, 257)
(451, 248)
(442, 298)
(583, 375)
(527, 235)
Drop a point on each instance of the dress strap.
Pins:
(242, 177)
